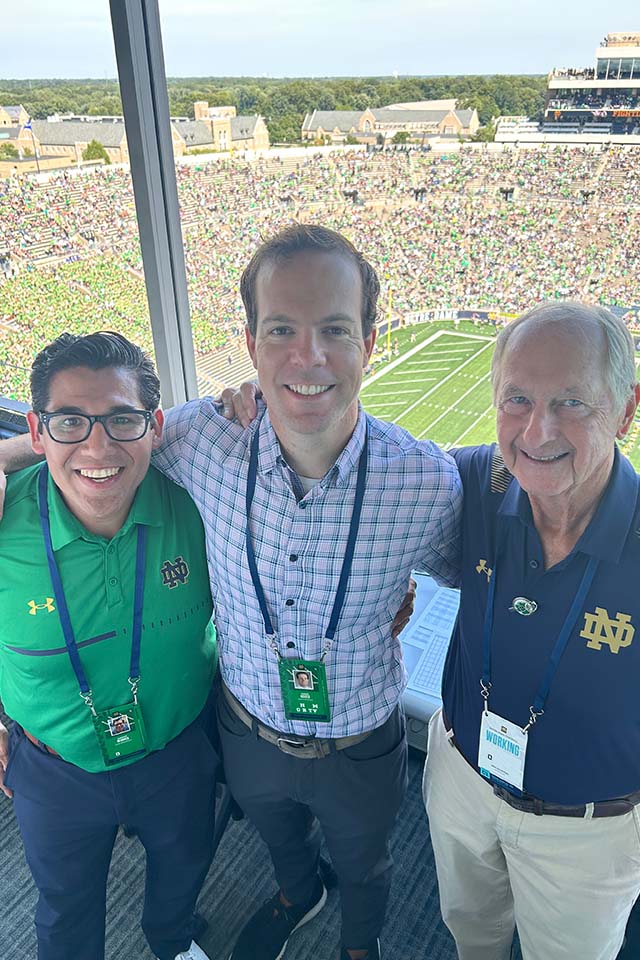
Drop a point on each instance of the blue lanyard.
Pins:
(559, 646)
(349, 552)
(63, 610)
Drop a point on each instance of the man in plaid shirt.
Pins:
(315, 516)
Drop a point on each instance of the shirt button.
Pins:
(293, 557)
(290, 644)
(113, 581)
(302, 505)
(533, 564)
(289, 603)
(111, 549)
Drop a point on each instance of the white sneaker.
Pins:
(193, 953)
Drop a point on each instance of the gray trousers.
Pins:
(355, 795)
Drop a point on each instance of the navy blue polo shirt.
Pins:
(586, 747)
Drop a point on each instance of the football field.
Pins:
(439, 387)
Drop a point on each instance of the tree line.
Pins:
(284, 102)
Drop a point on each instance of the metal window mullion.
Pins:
(143, 86)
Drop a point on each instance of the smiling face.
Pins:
(98, 477)
(556, 419)
(309, 350)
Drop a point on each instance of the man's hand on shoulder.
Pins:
(15, 454)
(240, 404)
(4, 758)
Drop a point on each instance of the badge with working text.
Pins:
(120, 733)
(502, 750)
(304, 690)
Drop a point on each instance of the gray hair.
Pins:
(620, 366)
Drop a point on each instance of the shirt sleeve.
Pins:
(442, 556)
(183, 429)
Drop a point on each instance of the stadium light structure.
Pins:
(145, 103)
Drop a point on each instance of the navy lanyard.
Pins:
(63, 610)
(559, 646)
(351, 541)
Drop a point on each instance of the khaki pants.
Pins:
(567, 883)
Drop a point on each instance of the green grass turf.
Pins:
(438, 386)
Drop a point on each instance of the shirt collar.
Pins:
(609, 527)
(270, 454)
(65, 527)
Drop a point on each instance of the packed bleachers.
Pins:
(436, 226)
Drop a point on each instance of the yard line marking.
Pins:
(419, 346)
(420, 379)
(444, 380)
(426, 361)
(446, 348)
(469, 428)
(470, 336)
(454, 405)
(411, 392)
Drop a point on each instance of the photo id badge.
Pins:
(502, 750)
(120, 733)
(304, 690)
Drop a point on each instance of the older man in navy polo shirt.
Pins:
(533, 774)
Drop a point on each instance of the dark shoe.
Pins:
(373, 948)
(266, 935)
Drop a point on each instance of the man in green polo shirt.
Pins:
(107, 653)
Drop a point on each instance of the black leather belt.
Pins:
(528, 804)
(306, 748)
(603, 808)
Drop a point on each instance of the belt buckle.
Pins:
(316, 749)
(291, 746)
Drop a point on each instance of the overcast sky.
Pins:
(72, 38)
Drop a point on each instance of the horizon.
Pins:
(286, 77)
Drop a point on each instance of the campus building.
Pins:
(62, 140)
(420, 121)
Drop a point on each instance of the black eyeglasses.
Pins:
(125, 427)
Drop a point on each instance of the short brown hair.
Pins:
(303, 237)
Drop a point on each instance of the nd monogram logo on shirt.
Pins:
(600, 628)
(47, 605)
(174, 572)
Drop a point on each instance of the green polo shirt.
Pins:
(178, 653)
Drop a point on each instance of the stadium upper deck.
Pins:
(596, 104)
(603, 100)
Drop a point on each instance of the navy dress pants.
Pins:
(69, 819)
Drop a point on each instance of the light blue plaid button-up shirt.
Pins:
(410, 520)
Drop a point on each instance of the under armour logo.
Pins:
(600, 628)
(483, 568)
(174, 573)
(47, 605)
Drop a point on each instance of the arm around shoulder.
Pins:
(15, 454)
(442, 557)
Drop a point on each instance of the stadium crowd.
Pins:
(436, 226)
